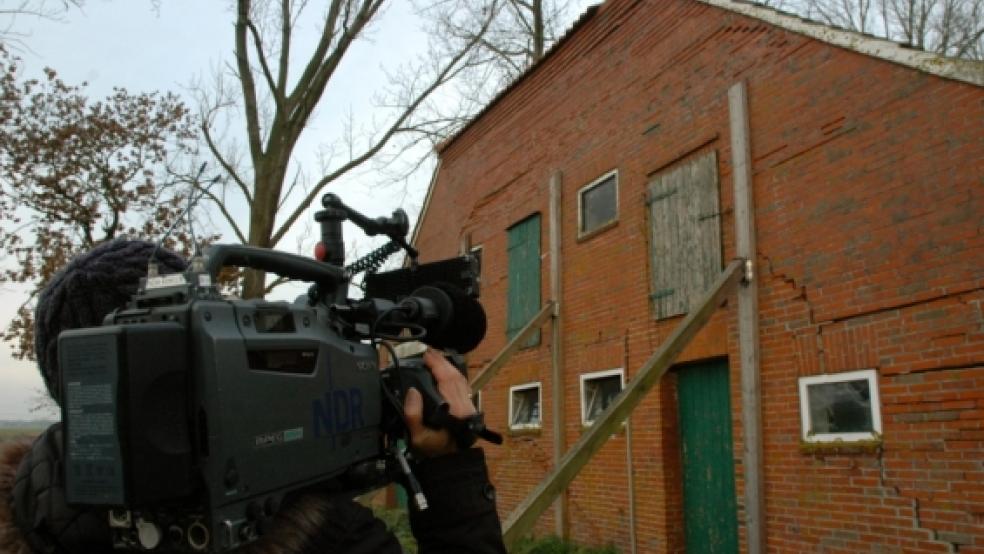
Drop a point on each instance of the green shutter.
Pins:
(524, 276)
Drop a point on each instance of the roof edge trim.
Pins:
(968, 71)
(427, 200)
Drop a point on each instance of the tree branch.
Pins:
(324, 43)
(246, 81)
(449, 70)
(274, 89)
(505, 56)
(214, 149)
(521, 16)
(275, 283)
(314, 88)
(285, 30)
(290, 189)
(222, 208)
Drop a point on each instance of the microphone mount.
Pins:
(394, 227)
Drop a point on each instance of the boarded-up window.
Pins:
(685, 244)
(524, 276)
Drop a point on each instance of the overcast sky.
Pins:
(127, 43)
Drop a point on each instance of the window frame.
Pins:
(870, 375)
(584, 377)
(539, 399)
(581, 232)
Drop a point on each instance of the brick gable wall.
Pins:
(870, 209)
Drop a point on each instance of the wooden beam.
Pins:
(517, 341)
(521, 520)
(748, 325)
(630, 471)
(557, 347)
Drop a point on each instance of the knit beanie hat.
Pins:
(91, 286)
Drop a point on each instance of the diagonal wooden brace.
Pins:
(520, 339)
(521, 520)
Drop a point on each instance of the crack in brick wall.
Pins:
(930, 408)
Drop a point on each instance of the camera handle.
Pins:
(281, 263)
(436, 411)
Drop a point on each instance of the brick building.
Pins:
(867, 170)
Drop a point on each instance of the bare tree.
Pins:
(11, 11)
(855, 15)
(952, 28)
(948, 27)
(510, 36)
(521, 33)
(277, 104)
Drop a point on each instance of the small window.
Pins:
(524, 406)
(598, 391)
(840, 407)
(597, 204)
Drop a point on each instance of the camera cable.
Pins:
(411, 482)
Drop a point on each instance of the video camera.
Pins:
(190, 417)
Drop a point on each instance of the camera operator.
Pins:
(34, 515)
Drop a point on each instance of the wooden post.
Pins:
(630, 469)
(748, 325)
(503, 356)
(629, 462)
(521, 520)
(557, 348)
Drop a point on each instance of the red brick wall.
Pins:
(870, 209)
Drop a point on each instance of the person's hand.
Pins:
(453, 386)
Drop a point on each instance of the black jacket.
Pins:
(461, 517)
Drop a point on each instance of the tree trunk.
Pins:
(269, 177)
(539, 32)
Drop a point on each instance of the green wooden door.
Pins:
(710, 520)
(524, 276)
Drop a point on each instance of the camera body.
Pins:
(190, 416)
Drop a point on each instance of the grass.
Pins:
(397, 521)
